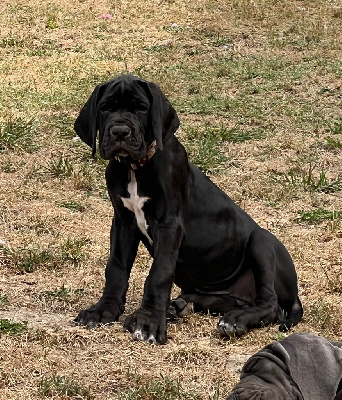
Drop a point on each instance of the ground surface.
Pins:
(257, 85)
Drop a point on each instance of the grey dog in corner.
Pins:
(300, 367)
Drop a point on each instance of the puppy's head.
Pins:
(129, 114)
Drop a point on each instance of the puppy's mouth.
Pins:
(120, 153)
(122, 148)
(129, 147)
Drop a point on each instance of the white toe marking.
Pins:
(151, 339)
(135, 204)
(138, 335)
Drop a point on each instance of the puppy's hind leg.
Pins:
(214, 304)
(260, 257)
(293, 317)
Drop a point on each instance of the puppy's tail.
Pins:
(292, 317)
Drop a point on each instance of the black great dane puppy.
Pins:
(199, 239)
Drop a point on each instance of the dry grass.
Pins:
(262, 79)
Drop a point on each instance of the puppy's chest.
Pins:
(135, 203)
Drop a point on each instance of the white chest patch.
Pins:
(135, 204)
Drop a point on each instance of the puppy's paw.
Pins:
(103, 312)
(232, 324)
(147, 325)
(179, 308)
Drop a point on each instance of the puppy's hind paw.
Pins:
(232, 325)
(226, 329)
(179, 308)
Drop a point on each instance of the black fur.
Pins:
(201, 241)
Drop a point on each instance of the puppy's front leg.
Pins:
(123, 250)
(149, 321)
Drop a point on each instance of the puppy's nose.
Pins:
(120, 131)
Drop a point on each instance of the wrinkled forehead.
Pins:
(126, 92)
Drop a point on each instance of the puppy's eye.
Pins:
(110, 106)
(142, 108)
(106, 107)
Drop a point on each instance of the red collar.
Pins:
(150, 153)
(152, 148)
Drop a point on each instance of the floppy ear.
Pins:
(86, 125)
(164, 119)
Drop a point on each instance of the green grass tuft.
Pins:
(336, 128)
(3, 301)
(72, 205)
(64, 125)
(333, 143)
(18, 134)
(318, 216)
(63, 293)
(206, 154)
(321, 314)
(236, 135)
(204, 147)
(28, 259)
(12, 328)
(58, 385)
(156, 389)
(60, 167)
(72, 250)
(308, 179)
(51, 22)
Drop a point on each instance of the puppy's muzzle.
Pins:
(120, 132)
